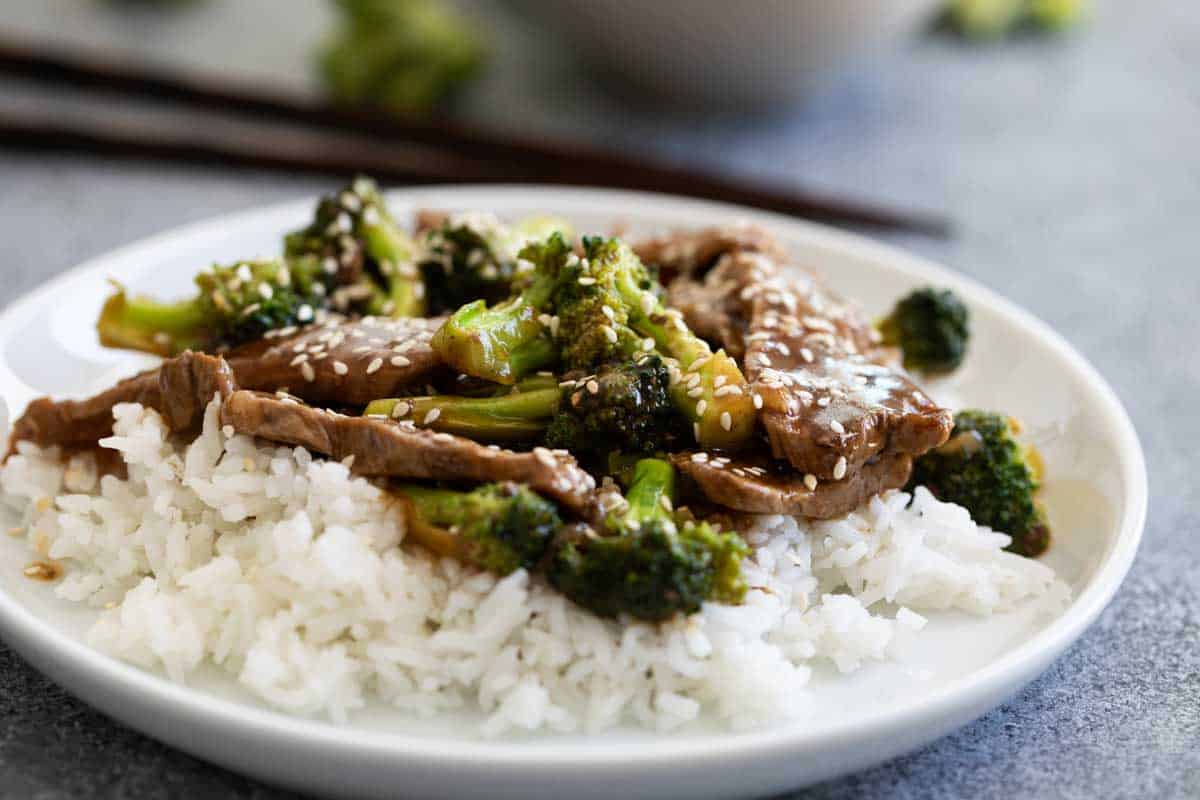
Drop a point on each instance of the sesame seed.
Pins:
(401, 409)
(306, 370)
(374, 366)
(810, 481)
(330, 265)
(695, 392)
(244, 274)
(586, 281)
(608, 312)
(250, 309)
(545, 456)
(399, 361)
(340, 368)
(699, 362)
(726, 420)
(298, 360)
(665, 502)
(431, 416)
(839, 469)
(726, 390)
(593, 387)
(719, 381)
(837, 427)
(647, 344)
(701, 407)
(649, 301)
(758, 401)
(609, 334)
(699, 458)
(806, 354)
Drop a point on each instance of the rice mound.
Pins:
(285, 571)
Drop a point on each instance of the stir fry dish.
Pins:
(608, 415)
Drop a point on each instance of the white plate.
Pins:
(1096, 494)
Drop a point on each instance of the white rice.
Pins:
(285, 571)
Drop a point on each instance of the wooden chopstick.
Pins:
(314, 152)
(516, 157)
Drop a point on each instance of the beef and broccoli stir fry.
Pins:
(604, 414)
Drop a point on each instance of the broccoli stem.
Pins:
(500, 344)
(722, 418)
(653, 480)
(141, 323)
(514, 417)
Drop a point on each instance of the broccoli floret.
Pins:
(516, 416)
(513, 338)
(475, 257)
(613, 307)
(234, 304)
(991, 19)
(930, 326)
(357, 239)
(623, 407)
(645, 564)
(402, 55)
(500, 527)
(1054, 15)
(629, 411)
(983, 468)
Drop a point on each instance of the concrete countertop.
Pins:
(1072, 168)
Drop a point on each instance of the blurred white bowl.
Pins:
(730, 54)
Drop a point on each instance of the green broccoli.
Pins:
(610, 306)
(499, 527)
(629, 411)
(644, 563)
(355, 236)
(513, 338)
(402, 55)
(624, 407)
(930, 326)
(585, 312)
(991, 19)
(983, 468)
(475, 257)
(516, 416)
(234, 304)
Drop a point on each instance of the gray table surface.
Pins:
(1072, 170)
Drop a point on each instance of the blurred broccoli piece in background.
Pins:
(402, 55)
(476, 257)
(992, 19)
(930, 326)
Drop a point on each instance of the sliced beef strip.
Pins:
(761, 486)
(691, 253)
(716, 306)
(340, 362)
(827, 407)
(402, 450)
(179, 390)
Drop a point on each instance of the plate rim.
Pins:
(24, 631)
